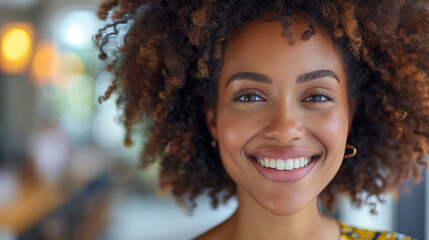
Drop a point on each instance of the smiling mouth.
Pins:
(285, 164)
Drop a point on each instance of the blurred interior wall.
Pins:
(427, 205)
(53, 9)
(17, 97)
(411, 211)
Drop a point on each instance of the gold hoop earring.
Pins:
(214, 143)
(401, 115)
(353, 148)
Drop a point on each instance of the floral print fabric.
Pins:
(352, 233)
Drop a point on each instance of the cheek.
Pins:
(338, 127)
(331, 130)
(235, 129)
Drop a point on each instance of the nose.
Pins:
(284, 125)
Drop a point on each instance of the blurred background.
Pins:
(64, 173)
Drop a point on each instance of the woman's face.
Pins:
(285, 105)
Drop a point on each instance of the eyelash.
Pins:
(320, 92)
(250, 92)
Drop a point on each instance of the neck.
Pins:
(252, 221)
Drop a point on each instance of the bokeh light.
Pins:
(77, 124)
(106, 117)
(45, 63)
(80, 93)
(70, 65)
(16, 44)
(77, 28)
(16, 47)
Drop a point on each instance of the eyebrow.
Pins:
(257, 77)
(305, 77)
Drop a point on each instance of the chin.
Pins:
(283, 212)
(284, 206)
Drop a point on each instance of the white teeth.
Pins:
(301, 162)
(296, 163)
(281, 164)
(267, 162)
(273, 163)
(289, 164)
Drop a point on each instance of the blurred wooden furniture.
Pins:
(48, 212)
(32, 203)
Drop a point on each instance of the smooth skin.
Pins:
(274, 108)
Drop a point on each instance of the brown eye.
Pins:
(248, 95)
(249, 98)
(319, 96)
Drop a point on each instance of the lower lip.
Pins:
(283, 176)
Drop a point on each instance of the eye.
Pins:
(319, 95)
(317, 98)
(249, 98)
(248, 95)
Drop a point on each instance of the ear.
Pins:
(210, 115)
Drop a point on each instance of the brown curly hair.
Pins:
(165, 72)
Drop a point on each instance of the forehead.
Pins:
(260, 47)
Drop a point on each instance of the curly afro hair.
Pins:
(165, 71)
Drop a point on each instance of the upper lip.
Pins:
(282, 153)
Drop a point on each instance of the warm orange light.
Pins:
(16, 44)
(70, 65)
(45, 63)
(16, 47)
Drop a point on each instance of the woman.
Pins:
(276, 102)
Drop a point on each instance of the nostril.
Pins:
(285, 135)
(284, 131)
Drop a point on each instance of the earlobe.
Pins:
(210, 115)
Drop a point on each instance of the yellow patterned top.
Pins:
(352, 233)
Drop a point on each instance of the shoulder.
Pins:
(353, 233)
